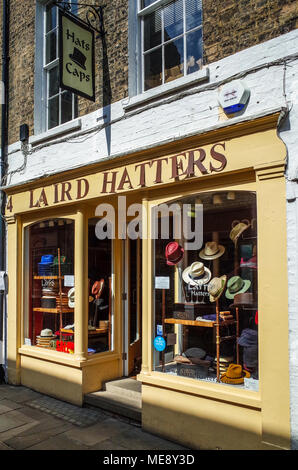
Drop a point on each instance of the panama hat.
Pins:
(71, 297)
(234, 375)
(196, 274)
(212, 250)
(237, 231)
(174, 253)
(46, 333)
(216, 287)
(236, 285)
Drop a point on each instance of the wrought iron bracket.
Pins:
(93, 15)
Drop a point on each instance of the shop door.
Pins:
(132, 307)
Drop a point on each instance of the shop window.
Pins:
(206, 298)
(100, 292)
(49, 281)
(172, 44)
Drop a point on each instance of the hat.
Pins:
(196, 274)
(245, 299)
(212, 250)
(78, 57)
(71, 297)
(47, 259)
(236, 285)
(237, 231)
(47, 332)
(174, 253)
(216, 287)
(234, 375)
(62, 260)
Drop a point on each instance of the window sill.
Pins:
(70, 126)
(213, 391)
(167, 88)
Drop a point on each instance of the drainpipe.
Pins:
(4, 142)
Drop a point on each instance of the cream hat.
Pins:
(71, 297)
(216, 287)
(237, 231)
(212, 251)
(196, 274)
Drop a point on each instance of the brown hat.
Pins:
(234, 375)
(212, 250)
(237, 231)
(245, 300)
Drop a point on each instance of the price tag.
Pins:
(69, 281)
(162, 282)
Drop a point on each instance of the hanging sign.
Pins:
(76, 56)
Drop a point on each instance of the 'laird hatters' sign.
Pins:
(76, 56)
(183, 166)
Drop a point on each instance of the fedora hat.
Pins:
(216, 287)
(236, 285)
(196, 274)
(245, 300)
(46, 333)
(211, 250)
(234, 375)
(78, 57)
(174, 253)
(71, 297)
(237, 231)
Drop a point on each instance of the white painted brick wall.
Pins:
(272, 86)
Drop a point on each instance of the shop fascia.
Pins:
(193, 163)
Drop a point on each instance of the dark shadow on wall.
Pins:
(106, 90)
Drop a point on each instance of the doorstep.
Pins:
(122, 397)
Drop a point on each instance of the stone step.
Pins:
(125, 387)
(115, 403)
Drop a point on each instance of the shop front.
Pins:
(170, 266)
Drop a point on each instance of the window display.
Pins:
(206, 315)
(100, 292)
(49, 280)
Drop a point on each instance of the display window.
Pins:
(50, 285)
(100, 313)
(206, 293)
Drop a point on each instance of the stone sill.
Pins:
(70, 126)
(165, 89)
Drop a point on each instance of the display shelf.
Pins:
(47, 277)
(53, 310)
(208, 324)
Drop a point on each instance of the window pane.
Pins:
(100, 291)
(152, 30)
(153, 69)
(174, 60)
(50, 308)
(146, 3)
(194, 51)
(193, 10)
(51, 46)
(66, 107)
(51, 18)
(53, 81)
(216, 284)
(53, 112)
(173, 20)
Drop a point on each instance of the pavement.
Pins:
(33, 421)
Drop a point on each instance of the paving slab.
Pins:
(8, 405)
(59, 442)
(98, 432)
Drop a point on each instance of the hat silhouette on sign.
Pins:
(78, 57)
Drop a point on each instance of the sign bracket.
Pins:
(94, 14)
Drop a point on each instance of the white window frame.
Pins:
(42, 75)
(141, 14)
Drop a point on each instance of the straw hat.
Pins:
(46, 333)
(237, 231)
(212, 250)
(196, 274)
(216, 287)
(234, 375)
(236, 285)
(71, 297)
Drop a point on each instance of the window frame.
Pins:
(142, 12)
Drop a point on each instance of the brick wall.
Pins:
(229, 26)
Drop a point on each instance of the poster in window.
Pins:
(76, 56)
